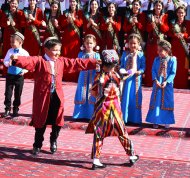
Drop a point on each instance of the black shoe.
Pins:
(15, 113)
(53, 147)
(7, 113)
(94, 166)
(133, 161)
(36, 151)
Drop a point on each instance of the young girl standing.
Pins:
(161, 109)
(133, 62)
(107, 119)
(84, 102)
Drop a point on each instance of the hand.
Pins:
(8, 22)
(158, 83)
(134, 20)
(13, 23)
(153, 25)
(69, 18)
(99, 61)
(55, 23)
(164, 84)
(43, 23)
(22, 73)
(138, 72)
(14, 57)
(179, 35)
(91, 21)
(30, 17)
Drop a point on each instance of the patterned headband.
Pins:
(110, 56)
(165, 44)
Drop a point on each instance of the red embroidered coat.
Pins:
(42, 83)
(98, 19)
(140, 25)
(151, 46)
(108, 38)
(181, 79)
(30, 42)
(70, 36)
(8, 31)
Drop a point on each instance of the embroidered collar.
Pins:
(47, 58)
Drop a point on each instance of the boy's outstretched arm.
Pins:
(78, 64)
(25, 62)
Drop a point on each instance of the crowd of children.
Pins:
(109, 90)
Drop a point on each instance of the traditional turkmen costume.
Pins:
(84, 101)
(107, 119)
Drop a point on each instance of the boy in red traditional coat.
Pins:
(48, 99)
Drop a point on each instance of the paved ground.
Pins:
(164, 153)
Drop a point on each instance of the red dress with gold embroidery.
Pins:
(111, 35)
(181, 79)
(30, 43)
(151, 47)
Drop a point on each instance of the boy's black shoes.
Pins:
(35, 151)
(15, 113)
(7, 113)
(94, 166)
(53, 147)
(133, 161)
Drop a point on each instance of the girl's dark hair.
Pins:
(76, 6)
(181, 7)
(51, 43)
(134, 36)
(13, 0)
(160, 2)
(59, 8)
(137, 1)
(98, 6)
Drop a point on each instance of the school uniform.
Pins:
(14, 80)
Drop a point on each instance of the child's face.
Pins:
(94, 6)
(158, 7)
(13, 5)
(111, 9)
(32, 2)
(53, 52)
(162, 52)
(133, 45)
(15, 43)
(181, 14)
(89, 45)
(73, 4)
(136, 6)
(54, 8)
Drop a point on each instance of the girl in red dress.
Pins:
(70, 22)
(134, 21)
(11, 21)
(51, 19)
(179, 33)
(33, 19)
(111, 27)
(92, 21)
(157, 26)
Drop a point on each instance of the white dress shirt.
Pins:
(22, 52)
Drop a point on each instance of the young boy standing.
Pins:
(107, 119)
(48, 98)
(15, 75)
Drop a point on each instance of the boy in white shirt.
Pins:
(15, 75)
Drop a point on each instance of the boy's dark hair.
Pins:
(17, 38)
(51, 43)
